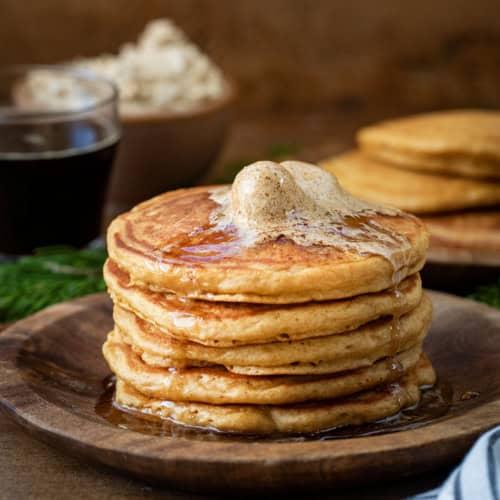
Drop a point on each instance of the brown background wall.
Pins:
(298, 54)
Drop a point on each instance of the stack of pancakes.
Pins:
(275, 337)
(444, 166)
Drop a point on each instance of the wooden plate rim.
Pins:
(109, 445)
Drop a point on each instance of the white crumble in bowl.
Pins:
(162, 70)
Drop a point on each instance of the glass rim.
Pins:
(12, 114)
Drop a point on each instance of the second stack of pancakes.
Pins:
(278, 337)
(442, 166)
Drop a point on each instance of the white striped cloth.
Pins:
(477, 477)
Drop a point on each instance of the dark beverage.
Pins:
(59, 129)
(53, 192)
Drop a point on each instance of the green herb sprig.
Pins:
(489, 294)
(51, 275)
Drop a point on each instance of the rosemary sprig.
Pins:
(51, 275)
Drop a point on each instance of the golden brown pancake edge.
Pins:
(218, 386)
(457, 142)
(416, 192)
(272, 272)
(224, 324)
(328, 354)
(306, 418)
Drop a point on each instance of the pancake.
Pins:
(415, 192)
(169, 244)
(470, 236)
(461, 142)
(218, 386)
(224, 324)
(361, 408)
(278, 304)
(329, 354)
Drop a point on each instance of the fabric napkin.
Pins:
(477, 477)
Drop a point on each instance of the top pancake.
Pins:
(460, 142)
(417, 192)
(168, 244)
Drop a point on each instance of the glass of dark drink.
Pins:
(59, 130)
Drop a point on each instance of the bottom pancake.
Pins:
(472, 237)
(364, 407)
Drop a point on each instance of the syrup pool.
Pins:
(434, 405)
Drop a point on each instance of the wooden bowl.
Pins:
(163, 149)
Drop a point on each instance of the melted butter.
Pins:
(182, 319)
(305, 204)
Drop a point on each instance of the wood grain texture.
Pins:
(348, 54)
(51, 373)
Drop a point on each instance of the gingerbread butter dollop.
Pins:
(305, 204)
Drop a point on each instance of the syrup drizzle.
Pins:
(395, 326)
(359, 233)
(314, 216)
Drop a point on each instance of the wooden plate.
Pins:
(455, 276)
(464, 251)
(52, 371)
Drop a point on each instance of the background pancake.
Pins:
(218, 386)
(224, 324)
(378, 182)
(329, 354)
(470, 236)
(459, 142)
(311, 417)
(168, 244)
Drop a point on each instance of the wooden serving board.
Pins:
(52, 372)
